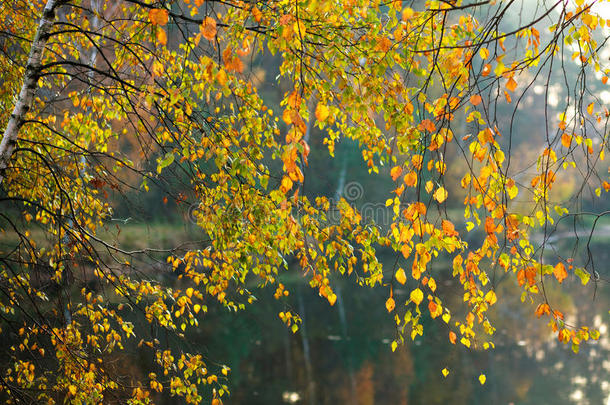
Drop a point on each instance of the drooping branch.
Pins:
(28, 89)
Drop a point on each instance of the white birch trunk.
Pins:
(28, 89)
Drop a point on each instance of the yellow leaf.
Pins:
(221, 77)
(72, 390)
(432, 285)
(286, 184)
(390, 304)
(401, 277)
(407, 13)
(332, 298)
(189, 292)
(322, 112)
(445, 372)
(482, 379)
(491, 298)
(441, 195)
(446, 317)
(208, 28)
(394, 346)
(484, 53)
(197, 308)
(590, 108)
(417, 296)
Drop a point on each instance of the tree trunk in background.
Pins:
(26, 95)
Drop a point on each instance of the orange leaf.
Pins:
(542, 309)
(560, 272)
(449, 228)
(411, 179)
(390, 304)
(511, 85)
(161, 36)
(566, 140)
(158, 16)
(208, 28)
(486, 69)
(452, 337)
(475, 99)
(432, 307)
(396, 172)
(257, 14)
(322, 112)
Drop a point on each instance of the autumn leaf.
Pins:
(407, 13)
(475, 99)
(542, 309)
(417, 296)
(560, 273)
(433, 307)
(511, 85)
(161, 36)
(208, 28)
(396, 172)
(410, 179)
(490, 297)
(482, 379)
(452, 337)
(158, 16)
(590, 108)
(441, 195)
(566, 140)
(322, 112)
(286, 184)
(257, 14)
(390, 304)
(400, 275)
(448, 228)
(445, 372)
(486, 70)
